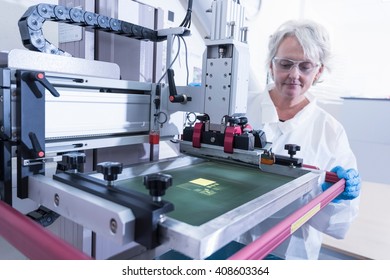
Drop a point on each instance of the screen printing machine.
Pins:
(56, 109)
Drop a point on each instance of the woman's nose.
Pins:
(294, 72)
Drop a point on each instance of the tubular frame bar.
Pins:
(261, 247)
(32, 240)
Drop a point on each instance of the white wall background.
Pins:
(359, 32)
(11, 12)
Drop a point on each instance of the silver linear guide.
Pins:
(225, 75)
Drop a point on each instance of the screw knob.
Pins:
(72, 161)
(292, 149)
(110, 170)
(242, 121)
(157, 184)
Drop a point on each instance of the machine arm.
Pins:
(31, 23)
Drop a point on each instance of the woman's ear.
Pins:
(318, 74)
(271, 71)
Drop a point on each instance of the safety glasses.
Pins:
(285, 65)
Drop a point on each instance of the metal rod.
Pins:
(32, 240)
(267, 242)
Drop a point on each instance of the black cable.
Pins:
(187, 19)
(173, 61)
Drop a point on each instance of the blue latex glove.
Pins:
(352, 183)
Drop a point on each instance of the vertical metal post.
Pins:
(5, 137)
(5, 172)
(170, 38)
(31, 122)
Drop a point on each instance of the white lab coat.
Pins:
(324, 144)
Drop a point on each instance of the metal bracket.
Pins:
(30, 162)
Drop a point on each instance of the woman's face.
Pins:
(293, 79)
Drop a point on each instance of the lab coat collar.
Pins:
(270, 115)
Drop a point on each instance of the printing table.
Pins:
(216, 201)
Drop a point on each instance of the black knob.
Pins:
(292, 149)
(73, 161)
(157, 184)
(203, 118)
(110, 170)
(242, 121)
(232, 121)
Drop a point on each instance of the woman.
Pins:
(298, 55)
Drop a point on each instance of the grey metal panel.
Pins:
(30, 60)
(107, 109)
(83, 113)
(67, 145)
(136, 58)
(87, 210)
(79, 48)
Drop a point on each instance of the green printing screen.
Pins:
(202, 192)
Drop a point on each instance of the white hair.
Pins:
(312, 36)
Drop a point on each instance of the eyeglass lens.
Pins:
(286, 65)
